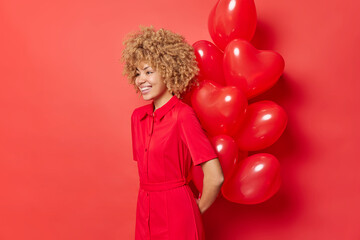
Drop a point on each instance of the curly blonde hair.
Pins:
(166, 52)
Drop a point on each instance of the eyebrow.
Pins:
(143, 69)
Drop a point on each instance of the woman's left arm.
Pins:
(213, 180)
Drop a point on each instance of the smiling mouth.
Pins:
(145, 89)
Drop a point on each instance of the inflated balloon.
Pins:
(227, 151)
(241, 155)
(251, 70)
(219, 109)
(209, 58)
(263, 124)
(186, 97)
(232, 72)
(232, 19)
(254, 180)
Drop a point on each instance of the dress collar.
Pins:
(161, 111)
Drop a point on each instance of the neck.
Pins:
(158, 103)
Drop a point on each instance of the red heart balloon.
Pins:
(232, 19)
(253, 71)
(209, 58)
(254, 180)
(219, 109)
(263, 124)
(227, 151)
(186, 96)
(241, 155)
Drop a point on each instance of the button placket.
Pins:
(151, 128)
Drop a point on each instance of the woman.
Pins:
(167, 137)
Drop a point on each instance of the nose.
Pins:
(140, 79)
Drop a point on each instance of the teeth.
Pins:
(145, 88)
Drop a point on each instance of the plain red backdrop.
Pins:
(66, 170)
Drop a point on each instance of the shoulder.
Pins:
(185, 111)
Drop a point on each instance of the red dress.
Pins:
(165, 143)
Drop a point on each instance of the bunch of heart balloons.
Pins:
(232, 71)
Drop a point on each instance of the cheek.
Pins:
(157, 83)
(162, 86)
(136, 82)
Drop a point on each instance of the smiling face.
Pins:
(150, 84)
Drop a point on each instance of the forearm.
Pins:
(211, 189)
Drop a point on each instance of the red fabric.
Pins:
(165, 143)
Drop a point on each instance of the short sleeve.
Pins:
(133, 135)
(194, 137)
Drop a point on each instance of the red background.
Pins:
(66, 170)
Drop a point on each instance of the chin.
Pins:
(147, 98)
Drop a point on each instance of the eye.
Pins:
(148, 72)
(137, 74)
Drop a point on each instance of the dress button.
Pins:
(145, 149)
